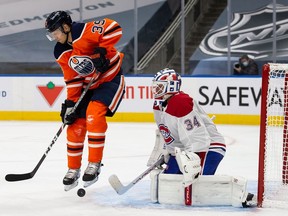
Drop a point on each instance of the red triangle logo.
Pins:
(50, 92)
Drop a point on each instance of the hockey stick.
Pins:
(25, 176)
(121, 189)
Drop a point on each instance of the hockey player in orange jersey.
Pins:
(84, 51)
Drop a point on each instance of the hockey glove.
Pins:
(189, 164)
(99, 60)
(66, 115)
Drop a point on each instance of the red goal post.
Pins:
(273, 146)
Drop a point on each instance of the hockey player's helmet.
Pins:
(166, 82)
(55, 21)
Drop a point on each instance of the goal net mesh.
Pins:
(275, 152)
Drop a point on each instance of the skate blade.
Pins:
(88, 183)
(69, 187)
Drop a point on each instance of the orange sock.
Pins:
(75, 136)
(96, 127)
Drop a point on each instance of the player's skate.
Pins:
(91, 173)
(251, 201)
(70, 180)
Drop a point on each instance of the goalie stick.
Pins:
(29, 175)
(121, 189)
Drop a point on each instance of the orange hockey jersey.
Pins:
(85, 38)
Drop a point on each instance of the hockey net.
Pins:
(273, 148)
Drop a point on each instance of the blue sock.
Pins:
(172, 166)
(211, 162)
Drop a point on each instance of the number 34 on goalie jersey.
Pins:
(182, 124)
(190, 124)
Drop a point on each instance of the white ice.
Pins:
(127, 150)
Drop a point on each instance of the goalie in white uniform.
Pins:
(192, 147)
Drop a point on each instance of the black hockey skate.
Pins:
(91, 174)
(250, 201)
(70, 180)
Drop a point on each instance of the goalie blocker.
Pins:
(198, 190)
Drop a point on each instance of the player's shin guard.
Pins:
(75, 136)
(96, 126)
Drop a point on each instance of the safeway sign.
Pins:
(216, 95)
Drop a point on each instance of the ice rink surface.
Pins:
(128, 146)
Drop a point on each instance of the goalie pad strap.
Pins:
(188, 195)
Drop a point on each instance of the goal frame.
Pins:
(263, 133)
(263, 117)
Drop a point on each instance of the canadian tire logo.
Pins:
(50, 92)
(251, 33)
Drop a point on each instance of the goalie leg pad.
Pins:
(170, 189)
(154, 184)
(220, 190)
(209, 190)
(239, 192)
(212, 190)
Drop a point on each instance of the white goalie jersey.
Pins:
(184, 124)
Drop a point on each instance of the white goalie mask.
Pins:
(166, 82)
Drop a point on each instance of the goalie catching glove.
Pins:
(189, 165)
(101, 63)
(67, 116)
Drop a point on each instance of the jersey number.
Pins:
(98, 26)
(190, 124)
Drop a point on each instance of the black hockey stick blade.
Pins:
(26, 176)
(18, 177)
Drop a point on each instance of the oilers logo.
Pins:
(83, 65)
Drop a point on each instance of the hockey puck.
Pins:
(81, 192)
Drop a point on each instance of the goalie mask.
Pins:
(166, 82)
